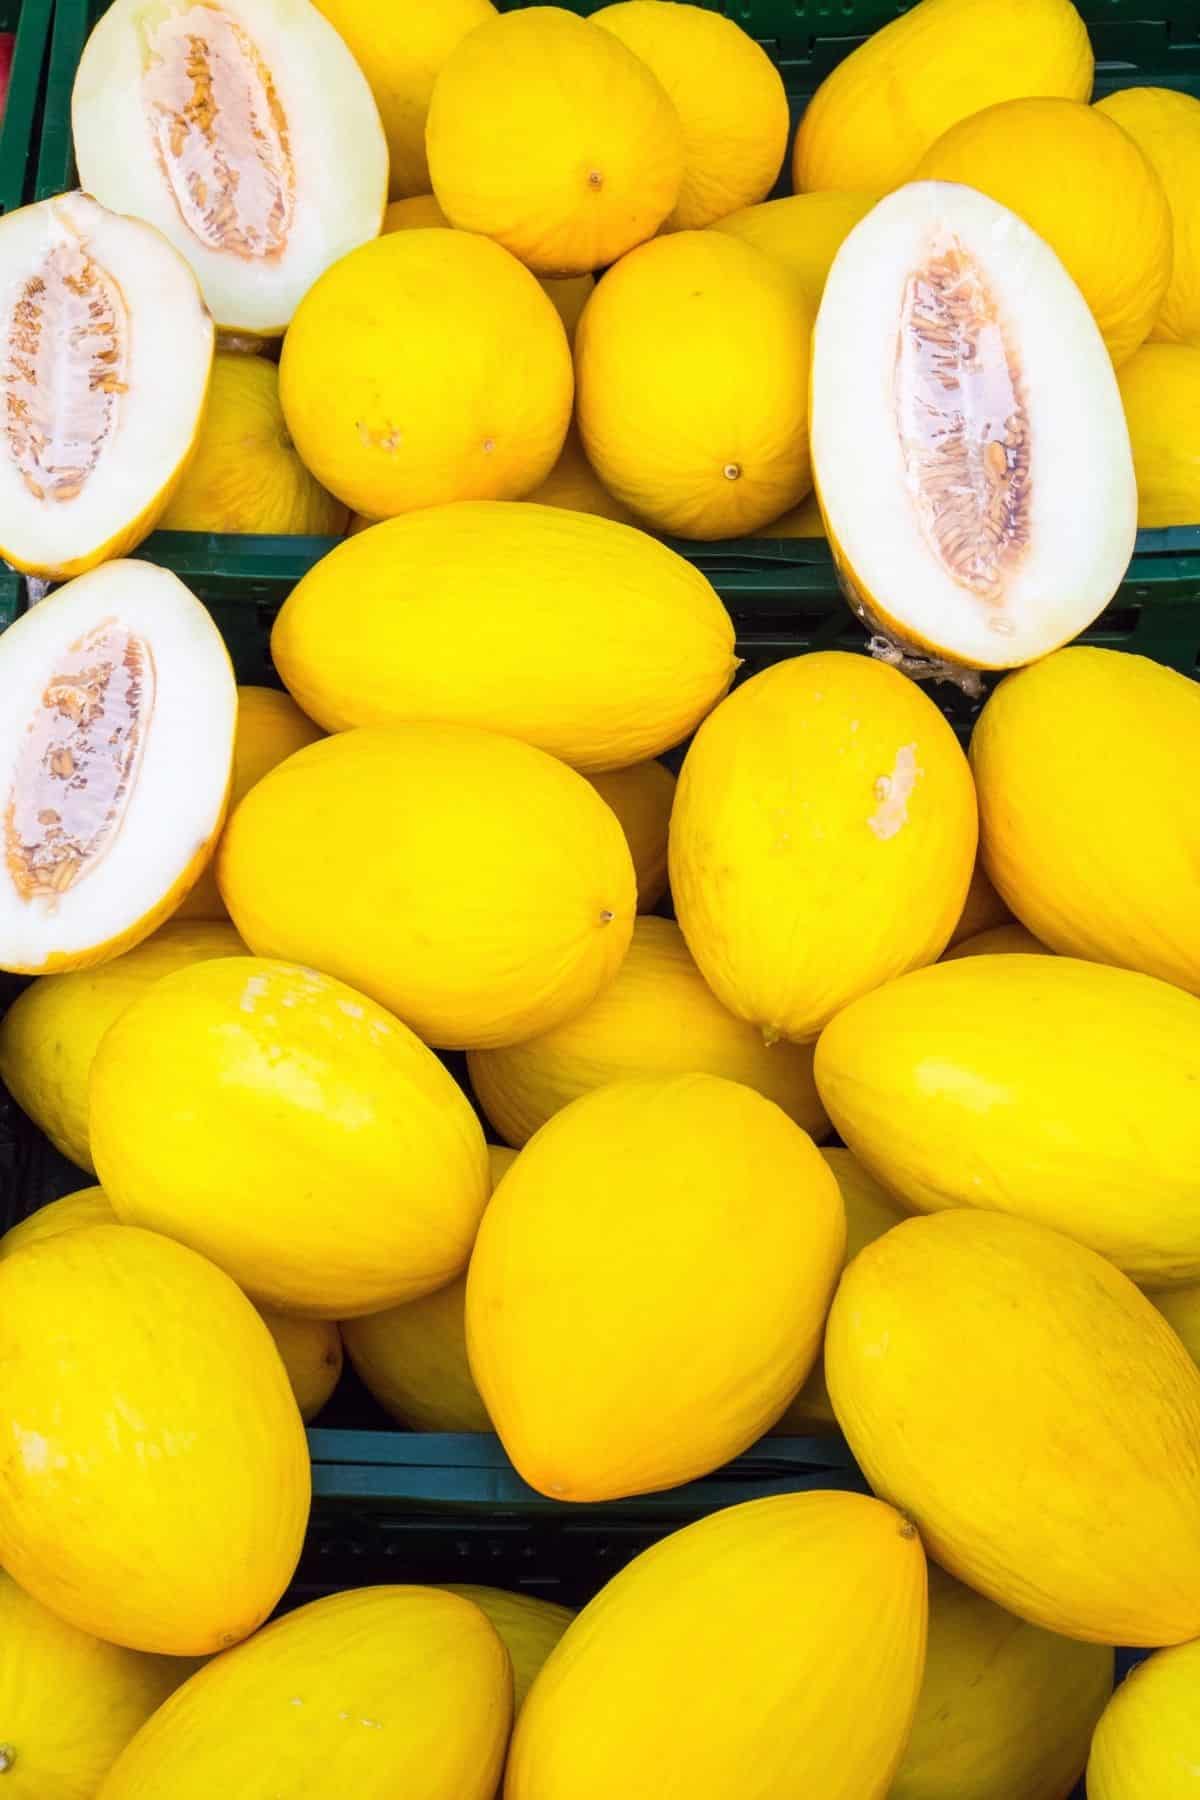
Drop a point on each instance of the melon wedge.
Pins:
(969, 445)
(106, 353)
(245, 131)
(117, 716)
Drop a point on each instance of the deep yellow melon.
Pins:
(1165, 124)
(824, 1596)
(1181, 1308)
(1002, 940)
(642, 796)
(574, 484)
(87, 1206)
(982, 1370)
(802, 521)
(803, 232)
(1147, 1745)
(983, 909)
(529, 1629)
(822, 839)
(311, 1352)
(1160, 388)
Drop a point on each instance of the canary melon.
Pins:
(529, 1629)
(1160, 388)
(574, 484)
(822, 839)
(415, 213)
(155, 1485)
(803, 233)
(983, 909)
(681, 1224)
(701, 431)
(311, 1352)
(1006, 1709)
(554, 139)
(1165, 125)
(1179, 1306)
(1034, 1491)
(824, 1596)
(1002, 940)
(476, 614)
(803, 521)
(874, 116)
(658, 1017)
(375, 1692)
(1105, 868)
(1147, 1745)
(293, 1132)
(442, 923)
(964, 407)
(87, 1206)
(642, 796)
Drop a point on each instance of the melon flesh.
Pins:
(117, 715)
(969, 445)
(106, 353)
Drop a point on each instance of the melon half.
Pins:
(117, 717)
(106, 352)
(969, 444)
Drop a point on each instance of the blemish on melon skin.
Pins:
(893, 792)
(252, 993)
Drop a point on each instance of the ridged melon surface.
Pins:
(1181, 1309)
(1165, 124)
(802, 232)
(1147, 1745)
(574, 485)
(87, 1206)
(1160, 389)
(529, 1629)
(983, 909)
(642, 796)
(1002, 940)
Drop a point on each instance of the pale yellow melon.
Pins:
(994, 1412)
(1002, 940)
(822, 839)
(983, 909)
(642, 796)
(574, 484)
(1147, 1745)
(700, 430)
(803, 232)
(1165, 124)
(311, 1351)
(529, 1628)
(1160, 388)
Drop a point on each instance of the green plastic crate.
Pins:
(19, 135)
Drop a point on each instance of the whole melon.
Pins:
(983, 909)
(874, 116)
(1147, 1745)
(292, 1131)
(1002, 940)
(1089, 834)
(466, 923)
(1181, 1308)
(574, 484)
(642, 796)
(803, 233)
(1160, 388)
(699, 430)
(372, 1693)
(658, 1017)
(803, 521)
(822, 839)
(823, 1596)
(87, 1206)
(1165, 124)
(311, 1352)
(529, 1629)
(983, 1370)
(156, 1488)
(681, 1225)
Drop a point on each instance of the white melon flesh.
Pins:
(106, 350)
(245, 131)
(117, 717)
(968, 440)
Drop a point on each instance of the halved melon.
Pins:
(968, 441)
(117, 714)
(106, 357)
(245, 131)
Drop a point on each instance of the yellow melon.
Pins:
(579, 635)
(822, 839)
(1147, 1745)
(311, 1352)
(1002, 940)
(803, 232)
(871, 120)
(1006, 1709)
(1179, 1306)
(416, 213)
(555, 140)
(642, 796)
(443, 925)
(699, 430)
(681, 1224)
(803, 521)
(1160, 387)
(288, 1128)
(658, 1017)
(823, 1595)
(529, 1629)
(87, 1206)
(574, 484)
(1097, 853)
(983, 909)
(455, 383)
(982, 1369)
(371, 1693)
(729, 96)
(50, 1033)
(1165, 124)
(155, 1489)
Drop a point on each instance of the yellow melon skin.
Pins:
(983, 909)
(1147, 1745)
(642, 796)
(292, 1131)
(69, 1703)
(467, 942)
(1085, 187)
(1097, 853)
(373, 1693)
(823, 1595)
(803, 521)
(1166, 127)
(1160, 389)
(1002, 940)
(582, 636)
(155, 1490)
(426, 366)
(803, 233)
(88, 1206)
(981, 1368)
(311, 1352)
(700, 431)
(529, 1628)
(556, 141)
(822, 839)
(682, 1225)
(574, 484)
(872, 119)
(50, 1033)
(1181, 1309)
(1006, 1709)
(658, 1017)
(991, 1082)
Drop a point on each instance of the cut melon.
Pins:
(1160, 385)
(968, 440)
(642, 796)
(107, 351)
(117, 711)
(1165, 125)
(804, 233)
(245, 131)
(1147, 1745)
